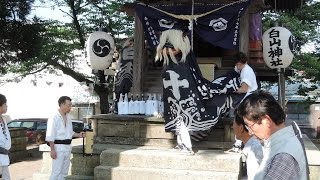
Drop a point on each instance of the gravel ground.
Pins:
(24, 169)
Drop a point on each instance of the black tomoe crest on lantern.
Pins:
(100, 49)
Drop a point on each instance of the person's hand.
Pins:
(82, 134)
(176, 51)
(53, 154)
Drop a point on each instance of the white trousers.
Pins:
(5, 172)
(183, 136)
(60, 166)
(238, 142)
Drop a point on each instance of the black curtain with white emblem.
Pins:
(216, 23)
(191, 98)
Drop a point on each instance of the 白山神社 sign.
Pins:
(278, 46)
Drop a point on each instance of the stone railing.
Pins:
(18, 149)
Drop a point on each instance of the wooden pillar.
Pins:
(244, 33)
(281, 88)
(137, 82)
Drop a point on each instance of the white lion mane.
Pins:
(178, 40)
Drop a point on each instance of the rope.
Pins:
(192, 17)
(191, 24)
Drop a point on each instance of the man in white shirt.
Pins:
(247, 75)
(59, 136)
(252, 151)
(248, 85)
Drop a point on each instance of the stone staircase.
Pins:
(164, 164)
(137, 148)
(152, 82)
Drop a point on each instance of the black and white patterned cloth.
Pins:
(196, 101)
(123, 78)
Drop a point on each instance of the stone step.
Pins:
(40, 176)
(203, 160)
(152, 77)
(156, 72)
(149, 131)
(98, 148)
(151, 90)
(103, 143)
(79, 177)
(154, 83)
(134, 173)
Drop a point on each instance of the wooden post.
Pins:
(244, 33)
(281, 88)
(137, 82)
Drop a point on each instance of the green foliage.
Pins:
(15, 10)
(51, 43)
(19, 38)
(304, 25)
(108, 16)
(309, 63)
(55, 43)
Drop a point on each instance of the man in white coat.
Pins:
(5, 140)
(59, 136)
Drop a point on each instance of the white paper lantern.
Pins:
(278, 47)
(100, 49)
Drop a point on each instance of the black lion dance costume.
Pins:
(192, 104)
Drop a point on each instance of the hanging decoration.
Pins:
(100, 48)
(218, 24)
(278, 47)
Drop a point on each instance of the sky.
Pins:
(25, 100)
(46, 11)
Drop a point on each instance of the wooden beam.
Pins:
(137, 82)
